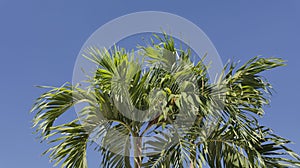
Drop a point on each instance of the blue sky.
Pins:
(40, 40)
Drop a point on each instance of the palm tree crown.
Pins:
(159, 109)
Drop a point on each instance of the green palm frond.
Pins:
(72, 140)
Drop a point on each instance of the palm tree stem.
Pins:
(137, 150)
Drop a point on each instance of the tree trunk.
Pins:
(137, 151)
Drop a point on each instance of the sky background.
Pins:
(40, 40)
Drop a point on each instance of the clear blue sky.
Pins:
(40, 40)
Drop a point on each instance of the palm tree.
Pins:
(168, 114)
